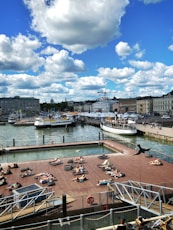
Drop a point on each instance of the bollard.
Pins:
(13, 142)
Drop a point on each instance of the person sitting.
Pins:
(156, 162)
(76, 170)
(7, 171)
(106, 165)
(79, 160)
(81, 169)
(122, 225)
(119, 174)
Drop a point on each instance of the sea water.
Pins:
(28, 135)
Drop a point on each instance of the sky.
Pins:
(77, 50)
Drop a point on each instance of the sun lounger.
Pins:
(68, 167)
(102, 157)
(79, 173)
(26, 175)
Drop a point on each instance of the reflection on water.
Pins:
(30, 135)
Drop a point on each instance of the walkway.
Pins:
(164, 133)
(151, 198)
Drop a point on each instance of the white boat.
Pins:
(121, 129)
(53, 121)
(13, 118)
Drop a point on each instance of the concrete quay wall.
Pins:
(155, 131)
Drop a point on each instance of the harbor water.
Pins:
(28, 135)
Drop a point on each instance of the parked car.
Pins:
(165, 117)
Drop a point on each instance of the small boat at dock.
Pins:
(54, 121)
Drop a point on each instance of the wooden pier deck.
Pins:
(135, 167)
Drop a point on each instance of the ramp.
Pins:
(151, 198)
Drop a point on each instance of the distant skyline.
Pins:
(82, 50)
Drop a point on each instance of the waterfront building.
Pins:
(144, 105)
(104, 106)
(127, 105)
(28, 105)
(164, 104)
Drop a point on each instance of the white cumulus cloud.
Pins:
(77, 25)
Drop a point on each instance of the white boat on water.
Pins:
(13, 118)
(54, 121)
(118, 128)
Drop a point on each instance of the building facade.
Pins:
(127, 105)
(104, 106)
(26, 105)
(163, 105)
(144, 106)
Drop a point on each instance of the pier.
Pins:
(135, 167)
(156, 131)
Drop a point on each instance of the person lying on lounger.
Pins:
(45, 178)
(156, 162)
(55, 161)
(37, 176)
(14, 186)
(104, 182)
(26, 173)
(81, 178)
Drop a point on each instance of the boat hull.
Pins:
(123, 130)
(54, 123)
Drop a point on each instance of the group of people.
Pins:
(6, 170)
(78, 169)
(46, 178)
(80, 179)
(115, 173)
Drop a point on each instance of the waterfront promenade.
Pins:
(135, 167)
(156, 131)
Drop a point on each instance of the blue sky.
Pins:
(83, 50)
